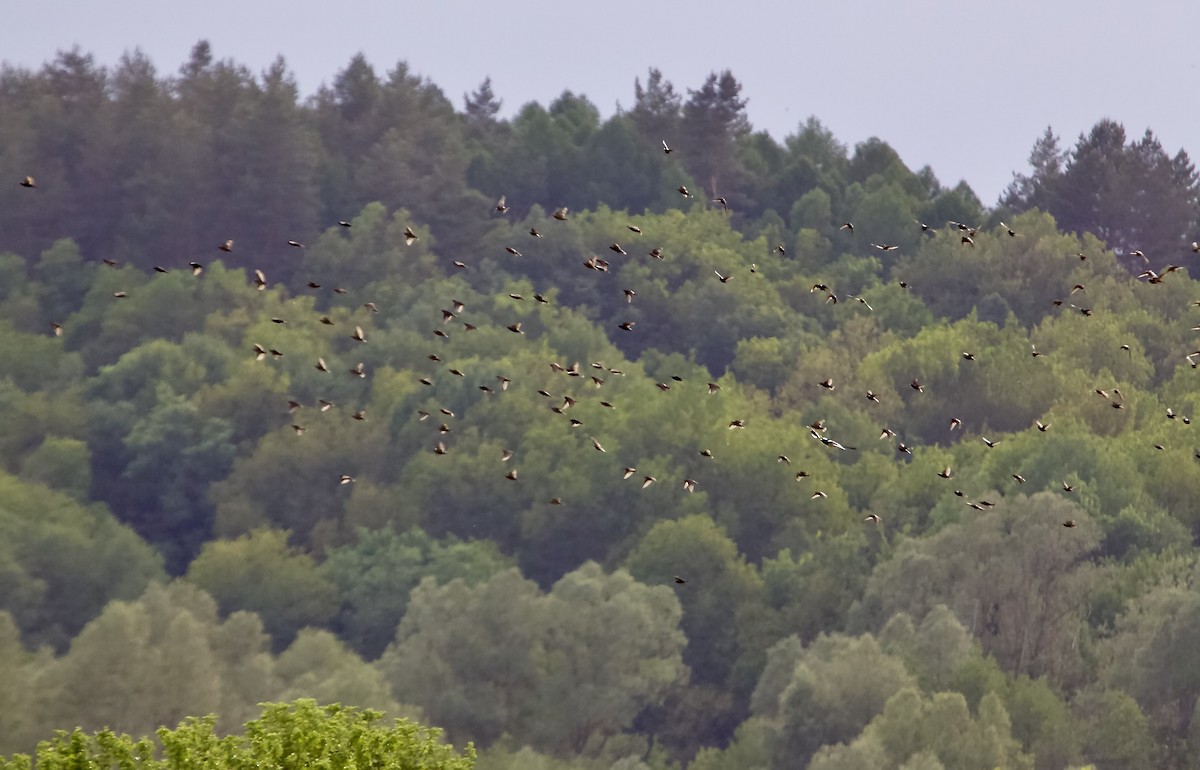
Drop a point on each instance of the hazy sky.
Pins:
(963, 86)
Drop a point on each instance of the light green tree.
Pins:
(143, 664)
(62, 562)
(825, 693)
(260, 573)
(375, 575)
(286, 736)
(561, 671)
(317, 665)
(1013, 575)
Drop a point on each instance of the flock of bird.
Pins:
(817, 430)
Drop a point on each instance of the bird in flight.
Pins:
(831, 443)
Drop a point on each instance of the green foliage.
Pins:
(19, 670)
(286, 736)
(317, 665)
(824, 693)
(939, 731)
(813, 591)
(561, 671)
(259, 573)
(987, 636)
(1089, 189)
(695, 545)
(1013, 575)
(1115, 734)
(61, 561)
(155, 660)
(60, 463)
(375, 575)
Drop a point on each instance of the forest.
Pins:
(649, 442)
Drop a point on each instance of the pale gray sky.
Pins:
(961, 85)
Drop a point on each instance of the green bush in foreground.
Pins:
(300, 734)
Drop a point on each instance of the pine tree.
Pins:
(1036, 190)
(714, 120)
(481, 106)
(656, 108)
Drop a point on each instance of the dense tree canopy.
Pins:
(756, 453)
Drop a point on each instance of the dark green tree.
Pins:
(714, 119)
(656, 109)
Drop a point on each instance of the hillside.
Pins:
(742, 455)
